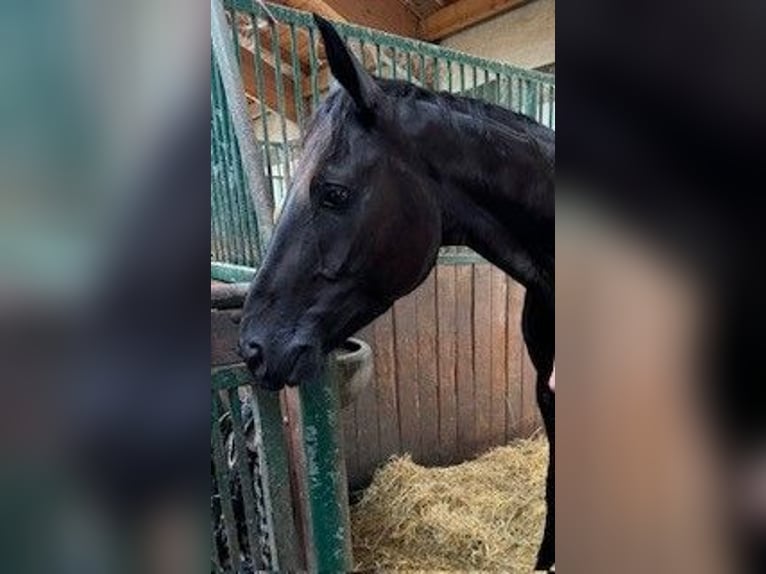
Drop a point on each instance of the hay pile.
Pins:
(486, 514)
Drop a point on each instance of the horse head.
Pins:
(359, 229)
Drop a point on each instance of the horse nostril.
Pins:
(255, 352)
(254, 357)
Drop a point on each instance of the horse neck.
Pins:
(494, 183)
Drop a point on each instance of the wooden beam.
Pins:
(269, 98)
(391, 16)
(461, 15)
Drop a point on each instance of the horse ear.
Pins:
(347, 70)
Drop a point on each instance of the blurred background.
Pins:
(105, 251)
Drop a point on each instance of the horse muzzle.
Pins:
(276, 365)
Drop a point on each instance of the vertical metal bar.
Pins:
(437, 75)
(514, 93)
(217, 233)
(423, 76)
(449, 75)
(362, 54)
(462, 79)
(327, 488)
(378, 60)
(498, 89)
(224, 488)
(223, 174)
(552, 108)
(281, 100)
(475, 82)
(246, 481)
(314, 72)
(487, 87)
(297, 79)
(409, 66)
(393, 62)
(215, 555)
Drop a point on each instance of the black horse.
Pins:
(390, 172)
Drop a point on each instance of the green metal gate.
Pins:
(280, 68)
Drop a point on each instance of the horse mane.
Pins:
(330, 116)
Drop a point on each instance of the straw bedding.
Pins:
(485, 514)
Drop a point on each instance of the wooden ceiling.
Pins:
(430, 20)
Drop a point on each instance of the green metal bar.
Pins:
(515, 94)
(252, 523)
(409, 66)
(215, 555)
(314, 70)
(279, 80)
(278, 519)
(393, 62)
(362, 54)
(423, 77)
(529, 99)
(224, 489)
(284, 14)
(223, 169)
(217, 232)
(272, 452)
(230, 272)
(462, 79)
(378, 62)
(327, 488)
(461, 257)
(552, 108)
(297, 77)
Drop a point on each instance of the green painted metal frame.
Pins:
(328, 532)
(301, 18)
(271, 535)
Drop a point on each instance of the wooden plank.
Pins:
(368, 450)
(350, 448)
(461, 15)
(464, 379)
(406, 338)
(428, 371)
(392, 17)
(514, 358)
(224, 334)
(482, 360)
(247, 68)
(499, 375)
(385, 385)
(530, 412)
(446, 327)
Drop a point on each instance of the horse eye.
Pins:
(335, 197)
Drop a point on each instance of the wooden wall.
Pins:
(452, 376)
